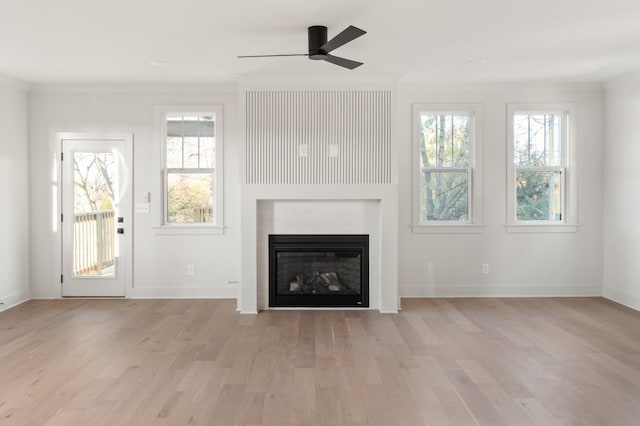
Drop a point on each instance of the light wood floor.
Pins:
(441, 361)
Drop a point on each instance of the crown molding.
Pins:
(227, 87)
(13, 83)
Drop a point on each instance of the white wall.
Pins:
(429, 264)
(519, 264)
(14, 187)
(160, 261)
(622, 186)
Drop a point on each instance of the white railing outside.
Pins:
(93, 242)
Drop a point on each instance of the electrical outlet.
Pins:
(191, 269)
(485, 268)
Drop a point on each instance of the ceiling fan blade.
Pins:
(350, 33)
(346, 63)
(271, 56)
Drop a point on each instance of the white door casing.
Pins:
(96, 214)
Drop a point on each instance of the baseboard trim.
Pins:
(183, 293)
(622, 298)
(498, 291)
(43, 293)
(230, 292)
(15, 299)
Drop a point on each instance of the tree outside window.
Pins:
(539, 166)
(542, 168)
(445, 167)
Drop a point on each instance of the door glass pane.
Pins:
(94, 180)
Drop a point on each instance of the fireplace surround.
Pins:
(319, 210)
(319, 161)
(319, 270)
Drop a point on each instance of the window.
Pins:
(191, 157)
(446, 193)
(540, 191)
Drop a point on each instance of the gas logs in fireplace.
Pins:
(319, 270)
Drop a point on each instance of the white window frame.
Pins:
(162, 226)
(474, 171)
(568, 169)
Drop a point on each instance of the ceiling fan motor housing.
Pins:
(317, 39)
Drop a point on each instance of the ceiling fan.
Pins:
(319, 47)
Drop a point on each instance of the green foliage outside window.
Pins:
(538, 159)
(538, 196)
(444, 161)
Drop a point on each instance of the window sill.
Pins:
(188, 230)
(533, 229)
(447, 229)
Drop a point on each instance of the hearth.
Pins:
(319, 270)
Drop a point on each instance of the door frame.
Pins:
(127, 138)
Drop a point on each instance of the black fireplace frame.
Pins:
(311, 243)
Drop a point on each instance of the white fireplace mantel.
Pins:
(380, 221)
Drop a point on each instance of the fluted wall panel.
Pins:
(282, 125)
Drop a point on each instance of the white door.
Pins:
(96, 214)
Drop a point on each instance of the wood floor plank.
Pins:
(520, 361)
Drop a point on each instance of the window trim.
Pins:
(161, 224)
(568, 169)
(474, 171)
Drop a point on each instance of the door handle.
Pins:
(120, 231)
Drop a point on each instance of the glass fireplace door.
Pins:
(318, 270)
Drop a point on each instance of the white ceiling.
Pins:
(85, 41)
